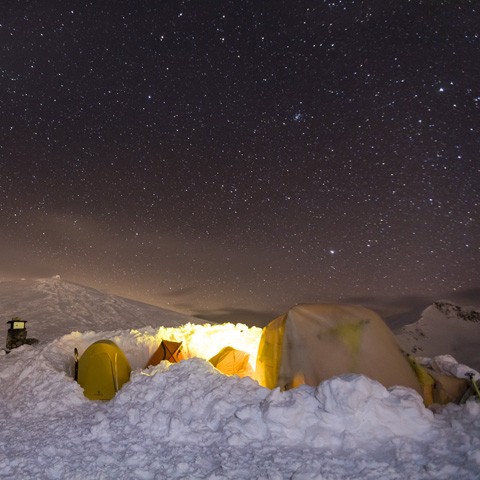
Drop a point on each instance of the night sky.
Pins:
(233, 158)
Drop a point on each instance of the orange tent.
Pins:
(168, 350)
(232, 362)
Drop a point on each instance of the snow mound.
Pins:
(191, 402)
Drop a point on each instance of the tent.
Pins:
(102, 370)
(168, 350)
(311, 343)
(437, 387)
(231, 361)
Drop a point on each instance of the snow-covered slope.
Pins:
(53, 307)
(444, 328)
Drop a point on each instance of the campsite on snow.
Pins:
(119, 389)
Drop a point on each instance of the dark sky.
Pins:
(239, 157)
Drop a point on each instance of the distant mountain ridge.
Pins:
(444, 328)
(54, 307)
(452, 310)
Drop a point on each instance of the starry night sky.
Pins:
(234, 158)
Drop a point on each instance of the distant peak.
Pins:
(451, 310)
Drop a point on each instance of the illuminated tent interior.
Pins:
(231, 361)
(169, 351)
(190, 340)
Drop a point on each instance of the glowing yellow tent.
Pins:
(311, 343)
(102, 370)
(231, 361)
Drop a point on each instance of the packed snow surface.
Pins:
(189, 421)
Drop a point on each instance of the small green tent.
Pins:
(102, 370)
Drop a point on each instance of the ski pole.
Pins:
(470, 375)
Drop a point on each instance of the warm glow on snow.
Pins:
(205, 341)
